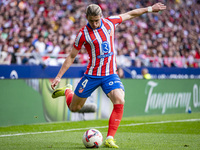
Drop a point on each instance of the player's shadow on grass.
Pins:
(64, 148)
(75, 148)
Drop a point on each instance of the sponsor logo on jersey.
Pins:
(105, 55)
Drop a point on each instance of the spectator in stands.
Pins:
(197, 54)
(5, 56)
(122, 60)
(178, 60)
(145, 74)
(65, 51)
(40, 45)
(168, 59)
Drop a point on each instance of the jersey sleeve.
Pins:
(116, 20)
(79, 41)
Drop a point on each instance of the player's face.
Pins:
(94, 21)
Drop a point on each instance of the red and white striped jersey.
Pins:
(99, 44)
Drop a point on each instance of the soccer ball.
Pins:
(92, 138)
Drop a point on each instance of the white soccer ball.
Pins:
(92, 138)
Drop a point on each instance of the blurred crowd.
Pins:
(43, 32)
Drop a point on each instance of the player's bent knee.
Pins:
(118, 100)
(121, 101)
(117, 96)
(75, 108)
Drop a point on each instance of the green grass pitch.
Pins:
(170, 132)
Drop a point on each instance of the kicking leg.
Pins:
(74, 102)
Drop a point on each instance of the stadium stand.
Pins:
(43, 31)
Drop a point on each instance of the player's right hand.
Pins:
(55, 82)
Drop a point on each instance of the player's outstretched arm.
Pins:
(137, 12)
(67, 63)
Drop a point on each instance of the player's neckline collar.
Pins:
(96, 28)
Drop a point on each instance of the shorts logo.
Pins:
(80, 90)
(110, 83)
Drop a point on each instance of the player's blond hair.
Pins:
(93, 10)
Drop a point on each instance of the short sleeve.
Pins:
(79, 41)
(115, 20)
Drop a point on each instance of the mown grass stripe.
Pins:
(133, 124)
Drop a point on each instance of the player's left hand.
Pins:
(158, 7)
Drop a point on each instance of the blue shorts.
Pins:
(89, 83)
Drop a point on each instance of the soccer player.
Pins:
(98, 38)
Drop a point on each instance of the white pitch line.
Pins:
(133, 124)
